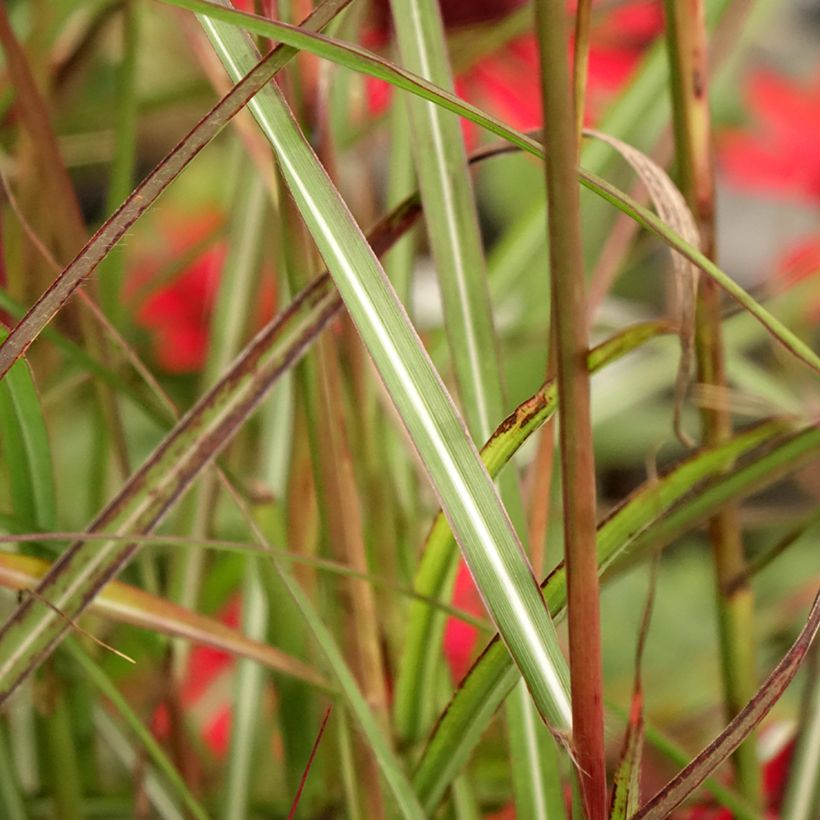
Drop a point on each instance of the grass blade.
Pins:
(128, 604)
(453, 230)
(626, 789)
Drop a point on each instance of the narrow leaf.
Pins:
(26, 449)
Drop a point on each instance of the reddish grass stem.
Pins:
(577, 461)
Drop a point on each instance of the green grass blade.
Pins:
(26, 449)
(478, 519)
(125, 153)
(453, 229)
(450, 218)
(420, 660)
(652, 516)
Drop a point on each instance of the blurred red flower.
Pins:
(780, 153)
(176, 313)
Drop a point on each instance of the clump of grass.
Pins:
(317, 478)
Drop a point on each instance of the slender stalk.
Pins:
(577, 461)
(687, 43)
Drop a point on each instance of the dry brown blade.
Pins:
(672, 208)
(681, 786)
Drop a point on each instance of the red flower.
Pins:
(800, 262)
(781, 153)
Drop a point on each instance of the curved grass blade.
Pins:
(420, 660)
(26, 449)
(673, 210)
(676, 791)
(131, 605)
(485, 534)
(359, 59)
(652, 516)
(147, 192)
